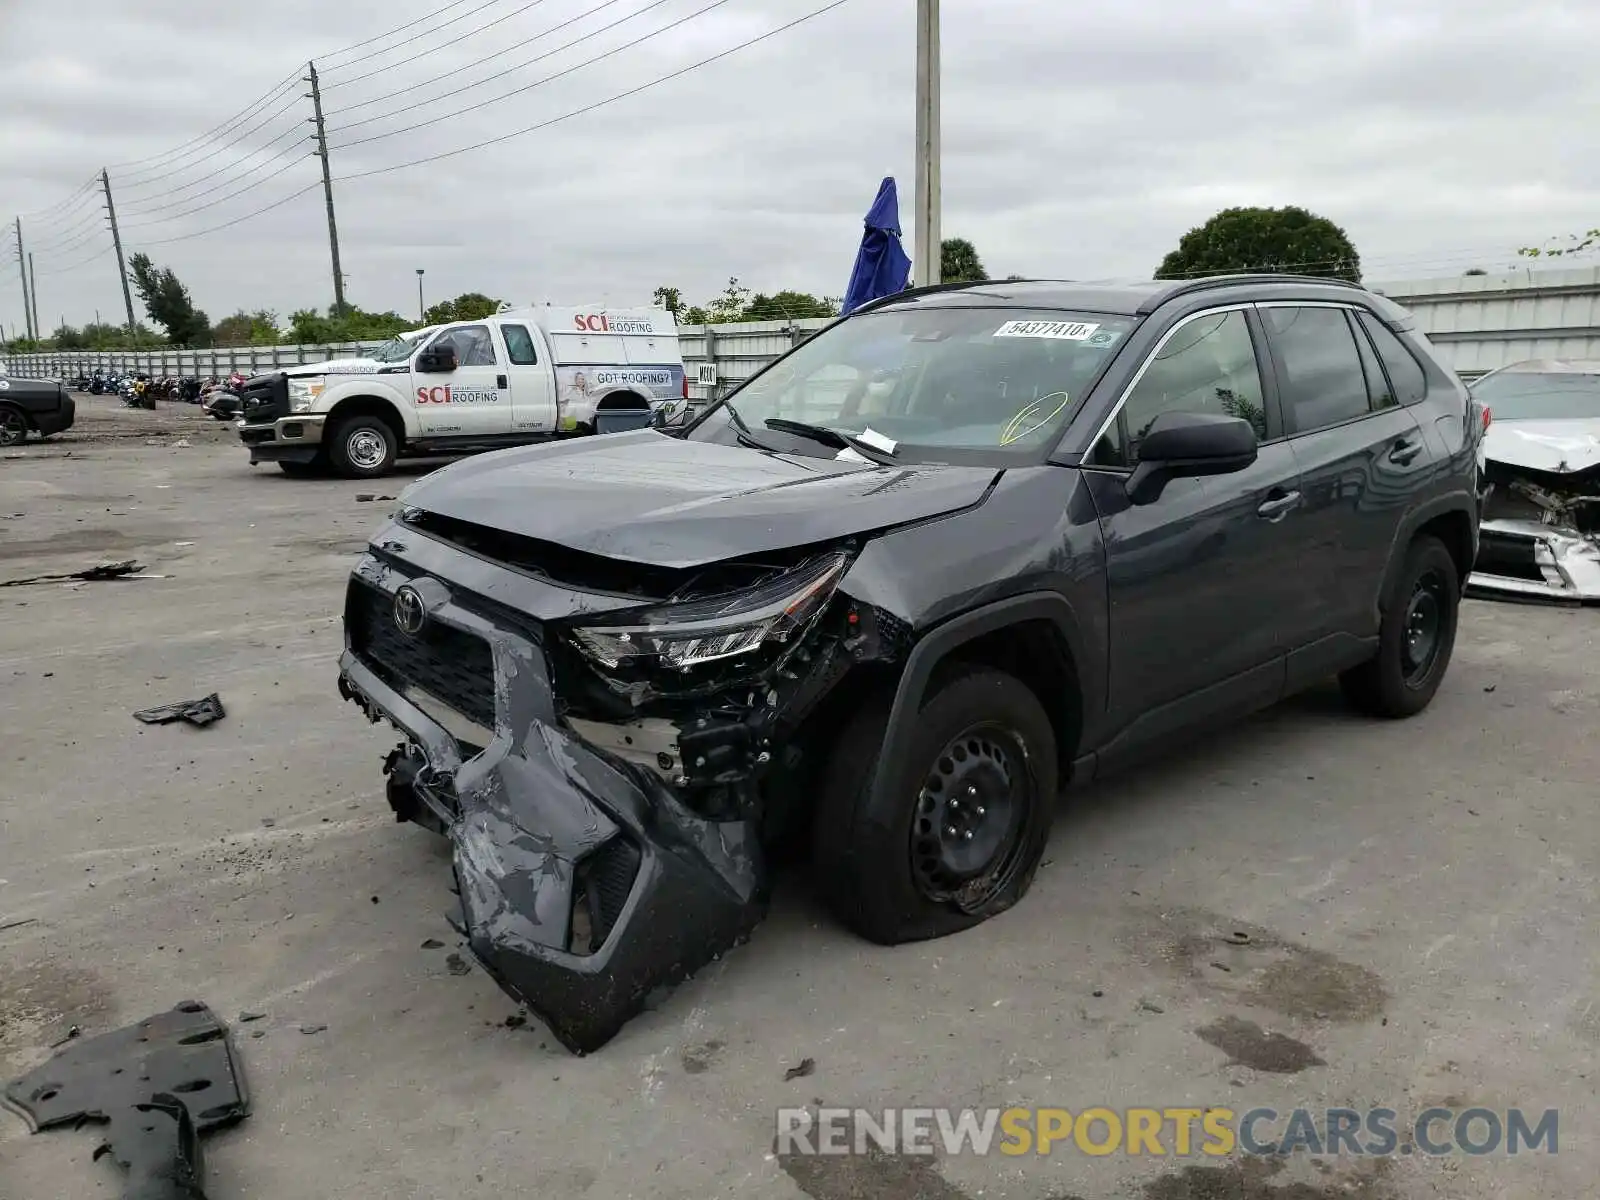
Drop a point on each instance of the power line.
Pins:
(390, 33)
(65, 207)
(87, 221)
(589, 108)
(378, 137)
(173, 167)
(266, 208)
(473, 32)
(69, 247)
(189, 212)
(238, 118)
(497, 54)
(429, 32)
(140, 210)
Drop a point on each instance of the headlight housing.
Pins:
(682, 636)
(303, 392)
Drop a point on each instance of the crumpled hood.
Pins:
(1562, 447)
(648, 498)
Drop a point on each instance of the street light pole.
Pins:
(926, 252)
(422, 313)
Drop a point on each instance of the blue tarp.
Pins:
(882, 268)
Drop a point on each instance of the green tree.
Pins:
(669, 298)
(68, 338)
(1263, 239)
(469, 306)
(308, 327)
(247, 329)
(729, 306)
(167, 301)
(694, 316)
(959, 261)
(787, 306)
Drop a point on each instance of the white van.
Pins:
(520, 376)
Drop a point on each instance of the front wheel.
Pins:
(1415, 639)
(363, 447)
(13, 426)
(963, 826)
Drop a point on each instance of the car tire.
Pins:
(1415, 638)
(362, 447)
(911, 871)
(13, 426)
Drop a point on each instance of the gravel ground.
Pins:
(1310, 909)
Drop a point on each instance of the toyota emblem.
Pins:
(410, 613)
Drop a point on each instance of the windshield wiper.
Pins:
(743, 430)
(828, 437)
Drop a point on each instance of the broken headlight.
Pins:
(687, 634)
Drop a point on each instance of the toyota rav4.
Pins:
(965, 546)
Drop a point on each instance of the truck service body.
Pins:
(519, 376)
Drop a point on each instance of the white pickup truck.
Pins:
(520, 376)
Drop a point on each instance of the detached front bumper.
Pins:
(585, 885)
(296, 438)
(1532, 560)
(60, 420)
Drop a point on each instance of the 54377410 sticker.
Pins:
(1069, 331)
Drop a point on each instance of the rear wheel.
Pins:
(363, 447)
(13, 426)
(965, 819)
(1415, 639)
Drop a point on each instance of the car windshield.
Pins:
(928, 383)
(396, 349)
(1540, 395)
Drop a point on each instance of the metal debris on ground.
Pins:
(457, 965)
(135, 1081)
(18, 924)
(808, 1066)
(106, 570)
(200, 713)
(368, 497)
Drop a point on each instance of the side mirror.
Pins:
(1181, 445)
(438, 360)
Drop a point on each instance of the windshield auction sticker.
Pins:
(1070, 331)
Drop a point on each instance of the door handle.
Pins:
(1405, 451)
(1277, 507)
(500, 381)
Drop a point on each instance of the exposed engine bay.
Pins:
(1540, 533)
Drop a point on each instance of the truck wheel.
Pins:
(965, 821)
(363, 447)
(13, 426)
(1415, 638)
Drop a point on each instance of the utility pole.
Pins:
(33, 277)
(422, 313)
(327, 188)
(116, 238)
(926, 246)
(22, 267)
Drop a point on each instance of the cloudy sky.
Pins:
(1080, 140)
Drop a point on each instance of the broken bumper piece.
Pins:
(585, 884)
(1529, 559)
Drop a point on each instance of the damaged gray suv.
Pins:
(964, 547)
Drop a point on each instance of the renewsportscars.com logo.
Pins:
(450, 393)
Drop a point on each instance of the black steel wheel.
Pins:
(956, 833)
(13, 426)
(1415, 639)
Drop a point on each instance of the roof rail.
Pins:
(929, 290)
(1183, 287)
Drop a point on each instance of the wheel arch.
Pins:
(1034, 636)
(1451, 519)
(366, 404)
(621, 398)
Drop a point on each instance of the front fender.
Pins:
(367, 387)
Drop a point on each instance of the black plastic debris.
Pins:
(807, 1068)
(369, 497)
(200, 712)
(109, 570)
(157, 1087)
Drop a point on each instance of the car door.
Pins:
(1361, 457)
(1198, 579)
(472, 401)
(533, 392)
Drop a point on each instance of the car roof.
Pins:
(1138, 297)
